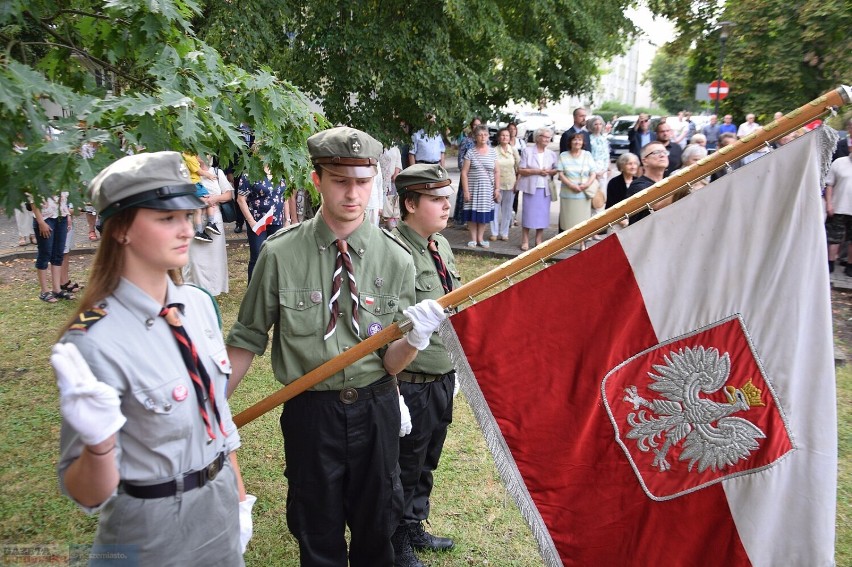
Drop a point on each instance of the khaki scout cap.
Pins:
(426, 178)
(345, 151)
(157, 180)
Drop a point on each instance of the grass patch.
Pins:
(468, 503)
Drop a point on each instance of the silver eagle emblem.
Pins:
(711, 438)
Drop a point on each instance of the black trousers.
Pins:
(458, 213)
(431, 407)
(342, 469)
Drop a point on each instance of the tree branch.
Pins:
(87, 14)
(95, 60)
(83, 53)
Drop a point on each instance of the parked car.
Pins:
(494, 127)
(618, 143)
(527, 123)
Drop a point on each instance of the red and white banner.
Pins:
(667, 397)
(264, 221)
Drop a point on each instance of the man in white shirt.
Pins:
(425, 148)
(838, 208)
(748, 126)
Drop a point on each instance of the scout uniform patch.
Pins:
(87, 318)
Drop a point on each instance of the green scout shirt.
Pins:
(290, 290)
(427, 283)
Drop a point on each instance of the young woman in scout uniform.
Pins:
(428, 383)
(147, 437)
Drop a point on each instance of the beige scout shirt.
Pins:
(133, 350)
(433, 360)
(290, 290)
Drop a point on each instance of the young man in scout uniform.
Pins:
(325, 285)
(428, 383)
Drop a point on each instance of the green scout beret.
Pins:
(426, 178)
(345, 151)
(157, 180)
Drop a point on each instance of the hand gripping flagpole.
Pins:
(644, 199)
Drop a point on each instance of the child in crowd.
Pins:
(196, 172)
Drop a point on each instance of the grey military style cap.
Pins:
(345, 151)
(426, 178)
(157, 180)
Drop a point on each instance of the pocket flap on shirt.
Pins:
(221, 360)
(300, 299)
(378, 304)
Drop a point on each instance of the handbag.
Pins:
(594, 192)
(599, 200)
(229, 211)
(554, 189)
(594, 186)
(228, 208)
(592, 189)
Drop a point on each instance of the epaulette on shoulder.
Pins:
(442, 241)
(212, 300)
(285, 230)
(87, 318)
(396, 239)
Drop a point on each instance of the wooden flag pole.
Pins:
(645, 199)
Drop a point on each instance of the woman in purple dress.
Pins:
(538, 164)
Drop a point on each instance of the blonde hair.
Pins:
(108, 264)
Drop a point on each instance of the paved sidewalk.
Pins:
(9, 249)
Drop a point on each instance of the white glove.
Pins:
(90, 407)
(405, 418)
(456, 386)
(425, 317)
(246, 524)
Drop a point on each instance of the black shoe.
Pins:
(421, 539)
(404, 555)
(238, 229)
(848, 270)
(202, 237)
(831, 266)
(212, 228)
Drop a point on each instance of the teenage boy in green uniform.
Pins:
(323, 286)
(428, 383)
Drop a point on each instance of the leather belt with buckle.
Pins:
(420, 378)
(352, 395)
(191, 480)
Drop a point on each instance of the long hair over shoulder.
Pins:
(108, 264)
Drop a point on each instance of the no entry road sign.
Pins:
(717, 89)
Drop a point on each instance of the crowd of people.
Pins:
(494, 180)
